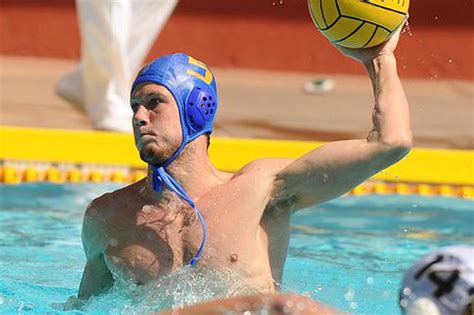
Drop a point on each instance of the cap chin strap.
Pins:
(162, 178)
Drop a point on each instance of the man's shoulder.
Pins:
(101, 214)
(111, 201)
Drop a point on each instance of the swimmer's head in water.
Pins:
(192, 85)
(440, 283)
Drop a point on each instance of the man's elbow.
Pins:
(397, 148)
(400, 141)
(401, 150)
(391, 148)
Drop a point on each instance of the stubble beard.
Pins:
(156, 154)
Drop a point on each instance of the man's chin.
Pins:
(152, 157)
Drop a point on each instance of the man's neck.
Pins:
(192, 169)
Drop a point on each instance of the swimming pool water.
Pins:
(350, 253)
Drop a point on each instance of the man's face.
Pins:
(156, 124)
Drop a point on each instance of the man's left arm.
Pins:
(335, 168)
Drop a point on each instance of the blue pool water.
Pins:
(350, 253)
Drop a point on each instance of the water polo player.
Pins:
(186, 213)
(441, 283)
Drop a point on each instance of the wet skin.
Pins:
(140, 235)
(145, 238)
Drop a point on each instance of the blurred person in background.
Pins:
(116, 37)
(269, 304)
(441, 283)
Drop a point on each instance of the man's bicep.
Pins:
(96, 278)
(332, 170)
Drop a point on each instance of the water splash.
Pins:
(407, 29)
(185, 287)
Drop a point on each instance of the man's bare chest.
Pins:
(155, 241)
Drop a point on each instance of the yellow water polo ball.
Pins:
(358, 23)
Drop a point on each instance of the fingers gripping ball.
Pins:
(358, 23)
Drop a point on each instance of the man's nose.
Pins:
(140, 118)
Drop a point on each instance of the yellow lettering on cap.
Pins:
(207, 77)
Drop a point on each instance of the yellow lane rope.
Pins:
(29, 155)
(28, 174)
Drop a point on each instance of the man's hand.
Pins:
(365, 55)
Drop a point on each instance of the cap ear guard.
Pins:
(200, 110)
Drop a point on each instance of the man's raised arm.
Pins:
(335, 168)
